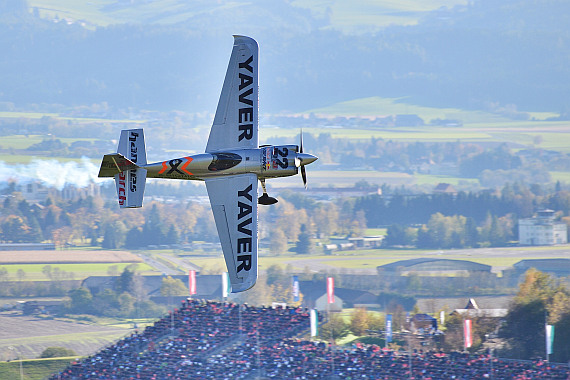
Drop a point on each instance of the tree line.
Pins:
(461, 220)
(456, 231)
(422, 220)
(91, 221)
(126, 298)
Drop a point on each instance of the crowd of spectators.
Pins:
(213, 340)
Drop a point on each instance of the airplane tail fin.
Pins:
(126, 167)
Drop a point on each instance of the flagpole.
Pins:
(546, 333)
(330, 299)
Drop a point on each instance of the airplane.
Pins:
(231, 166)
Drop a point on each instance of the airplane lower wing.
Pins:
(234, 204)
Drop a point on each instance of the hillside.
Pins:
(474, 56)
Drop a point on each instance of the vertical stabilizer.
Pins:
(130, 183)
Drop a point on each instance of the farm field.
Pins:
(366, 261)
(380, 107)
(67, 256)
(31, 335)
(25, 141)
(344, 16)
(343, 178)
(553, 135)
(34, 272)
(79, 120)
(29, 265)
(33, 369)
(352, 17)
(560, 176)
(347, 178)
(21, 159)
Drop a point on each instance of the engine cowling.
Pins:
(279, 160)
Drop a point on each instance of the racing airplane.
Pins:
(231, 166)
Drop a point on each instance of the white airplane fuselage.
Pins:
(265, 162)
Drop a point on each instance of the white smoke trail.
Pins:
(52, 173)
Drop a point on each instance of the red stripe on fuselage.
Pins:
(164, 167)
(183, 168)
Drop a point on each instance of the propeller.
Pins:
(303, 172)
(303, 159)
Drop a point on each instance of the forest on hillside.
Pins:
(512, 52)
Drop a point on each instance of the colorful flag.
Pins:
(295, 289)
(225, 284)
(314, 322)
(467, 333)
(192, 282)
(330, 289)
(549, 339)
(388, 328)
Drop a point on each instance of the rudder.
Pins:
(130, 183)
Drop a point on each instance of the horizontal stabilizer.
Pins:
(114, 164)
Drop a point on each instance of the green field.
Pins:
(26, 115)
(375, 231)
(33, 272)
(426, 134)
(346, 179)
(35, 369)
(350, 17)
(429, 179)
(25, 141)
(80, 120)
(20, 159)
(560, 176)
(354, 17)
(20, 141)
(106, 12)
(370, 259)
(522, 132)
(379, 107)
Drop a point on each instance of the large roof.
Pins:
(425, 264)
(544, 265)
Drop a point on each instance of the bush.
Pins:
(57, 352)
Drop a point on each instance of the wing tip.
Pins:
(239, 39)
(243, 286)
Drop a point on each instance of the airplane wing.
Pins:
(235, 123)
(234, 204)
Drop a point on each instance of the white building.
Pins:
(542, 230)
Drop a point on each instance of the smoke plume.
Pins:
(51, 173)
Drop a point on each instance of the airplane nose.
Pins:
(306, 158)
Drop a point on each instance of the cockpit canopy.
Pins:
(223, 161)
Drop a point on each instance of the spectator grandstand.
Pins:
(213, 340)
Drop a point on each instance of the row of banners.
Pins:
(467, 324)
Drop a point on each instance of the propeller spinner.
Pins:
(303, 159)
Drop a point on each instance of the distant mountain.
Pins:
(474, 56)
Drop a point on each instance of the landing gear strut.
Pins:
(265, 199)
